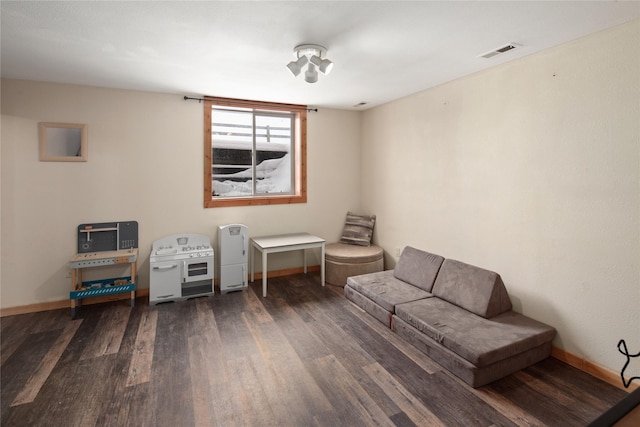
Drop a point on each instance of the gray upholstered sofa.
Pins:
(458, 314)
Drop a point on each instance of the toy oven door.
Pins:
(197, 269)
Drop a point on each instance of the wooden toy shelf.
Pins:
(95, 288)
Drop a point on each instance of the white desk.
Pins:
(283, 243)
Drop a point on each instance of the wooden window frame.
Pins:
(300, 154)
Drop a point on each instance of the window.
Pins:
(254, 153)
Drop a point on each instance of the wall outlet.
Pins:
(397, 252)
(68, 276)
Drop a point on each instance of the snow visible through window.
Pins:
(273, 176)
(242, 138)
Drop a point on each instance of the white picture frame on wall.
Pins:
(63, 142)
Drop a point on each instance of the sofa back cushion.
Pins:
(475, 289)
(418, 268)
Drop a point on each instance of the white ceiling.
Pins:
(382, 50)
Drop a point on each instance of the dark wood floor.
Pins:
(302, 356)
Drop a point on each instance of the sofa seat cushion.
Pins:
(476, 339)
(370, 307)
(473, 288)
(471, 374)
(385, 290)
(418, 268)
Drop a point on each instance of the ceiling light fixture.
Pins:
(313, 56)
(296, 66)
(311, 76)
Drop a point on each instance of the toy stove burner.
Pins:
(181, 246)
(195, 248)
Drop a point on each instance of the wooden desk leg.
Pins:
(79, 273)
(134, 269)
(264, 274)
(73, 288)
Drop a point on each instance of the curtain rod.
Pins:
(188, 98)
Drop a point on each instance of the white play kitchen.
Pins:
(181, 266)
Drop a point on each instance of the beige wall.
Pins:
(145, 164)
(531, 169)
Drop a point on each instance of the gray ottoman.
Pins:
(343, 260)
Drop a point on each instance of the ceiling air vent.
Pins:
(498, 51)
